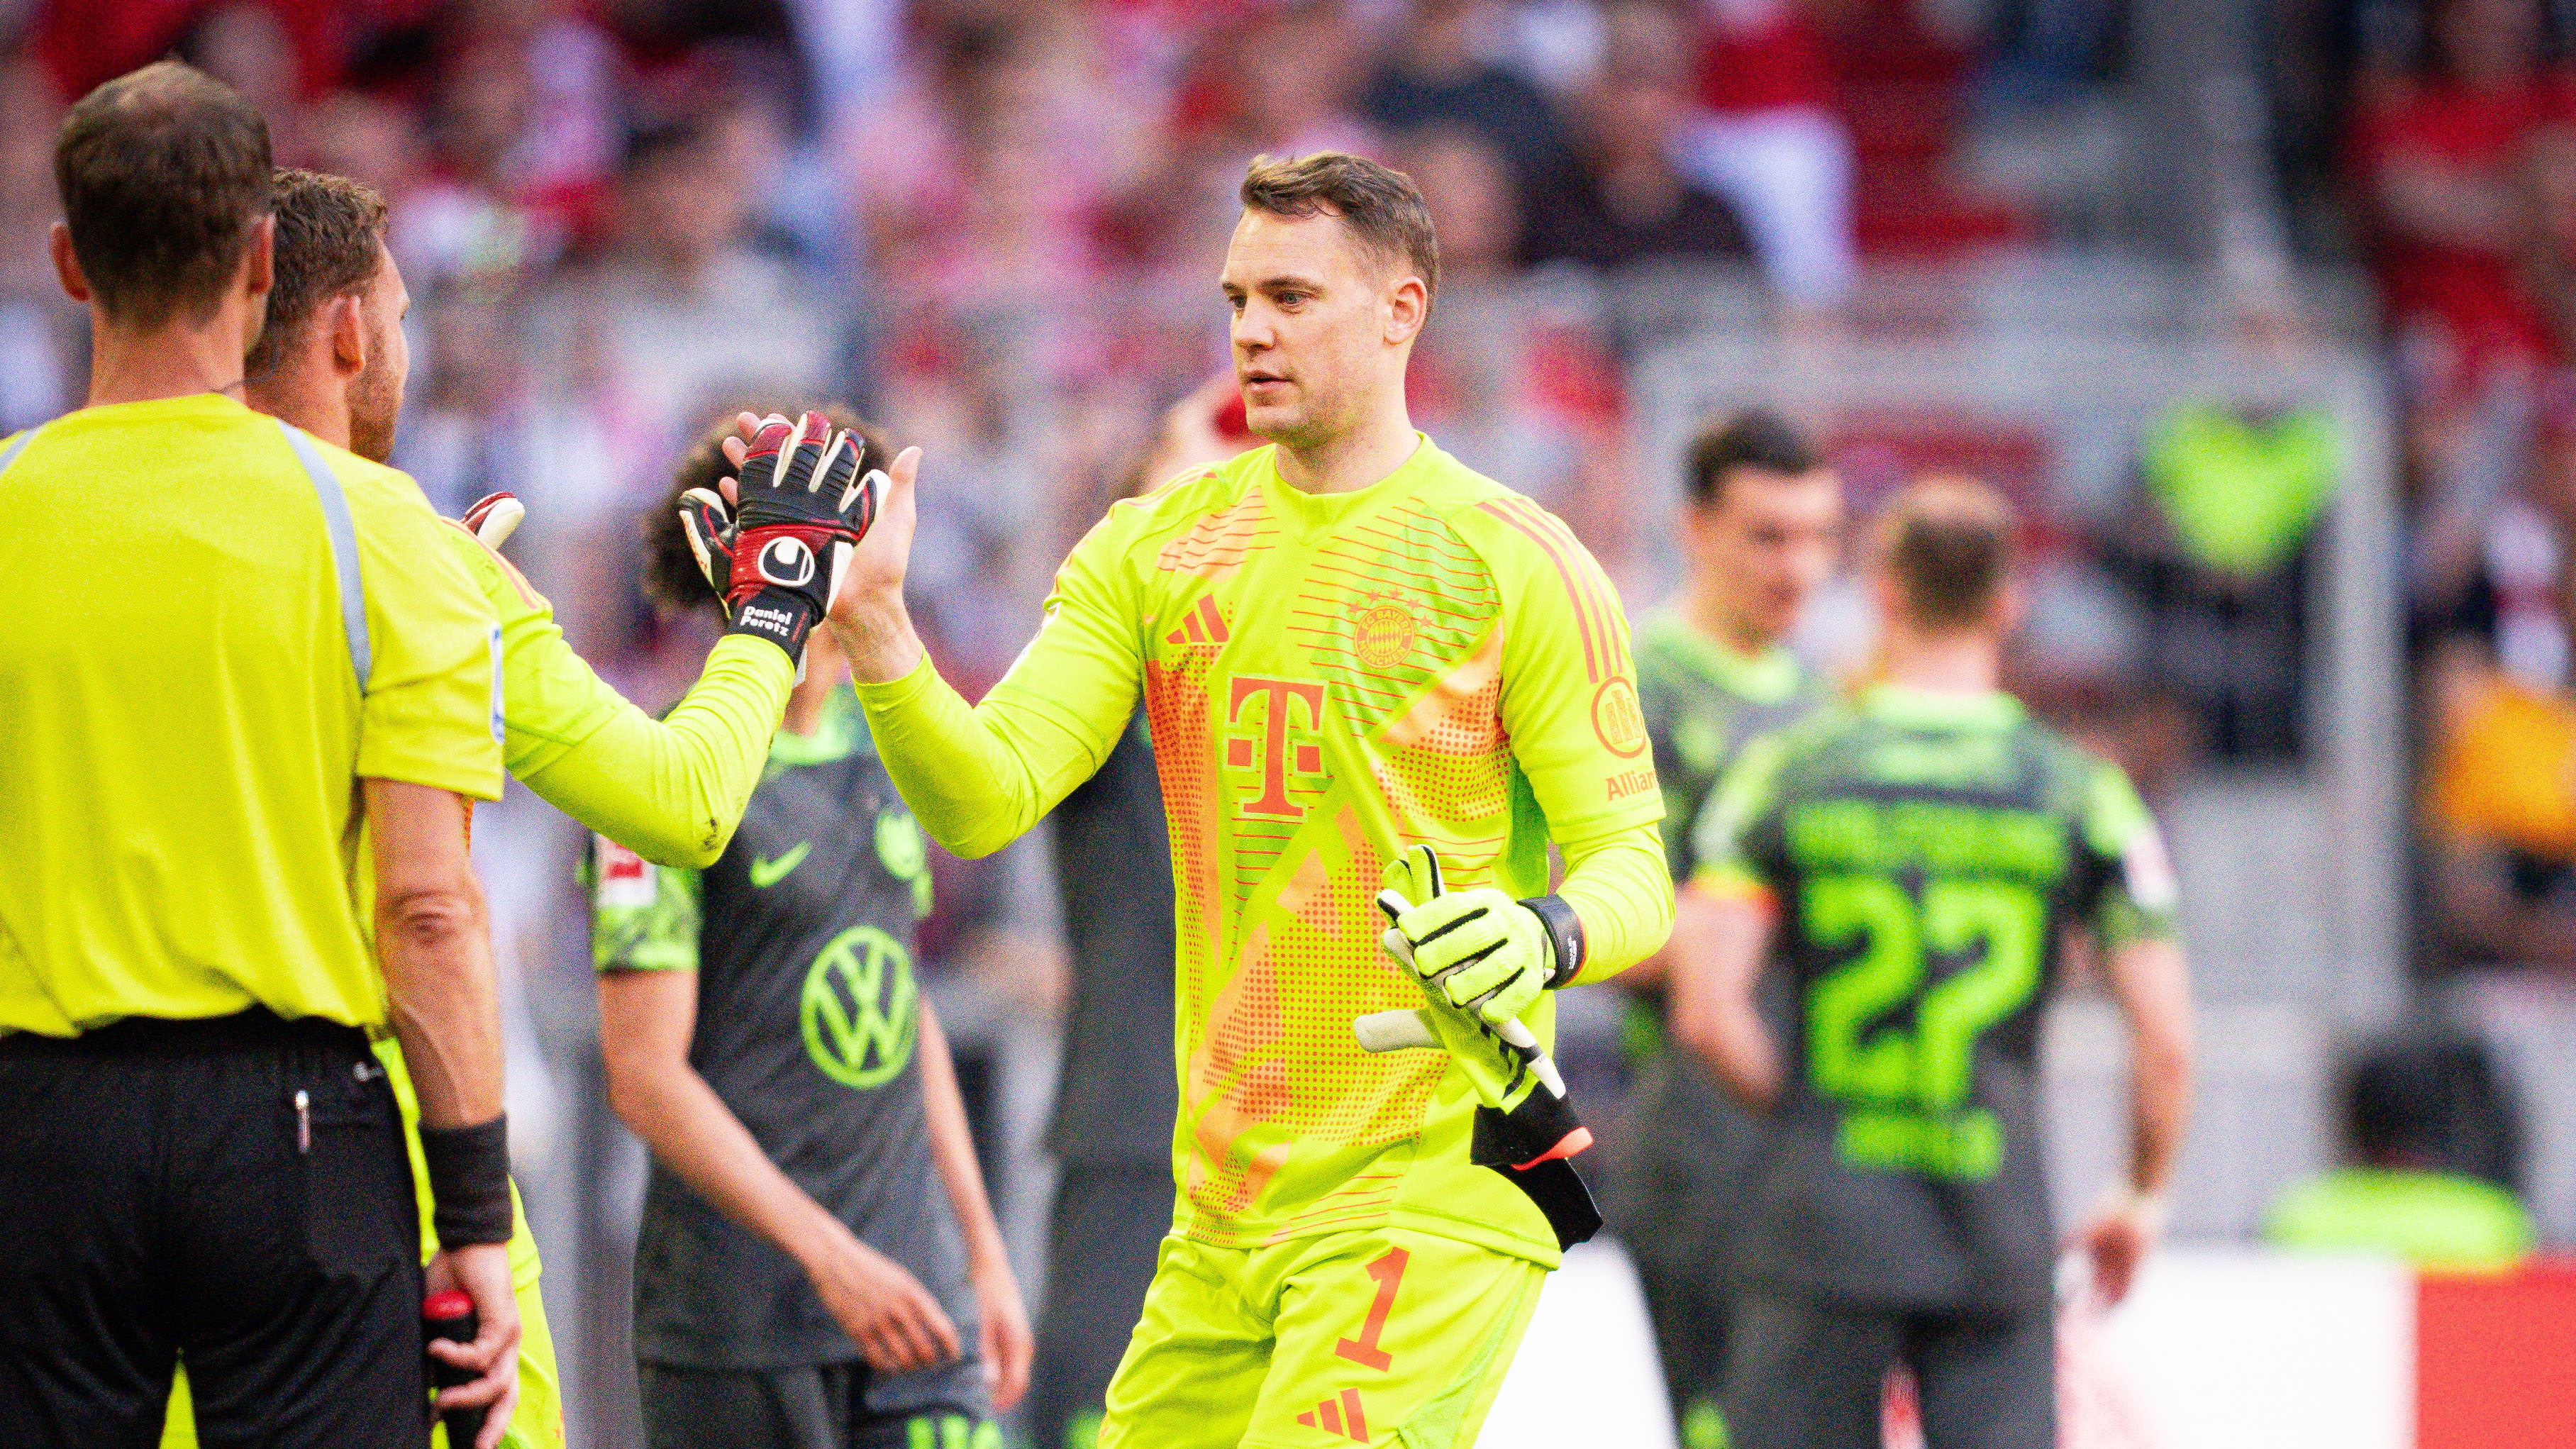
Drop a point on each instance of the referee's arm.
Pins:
(434, 945)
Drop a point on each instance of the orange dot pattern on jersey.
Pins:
(1447, 761)
(1237, 1079)
(1176, 713)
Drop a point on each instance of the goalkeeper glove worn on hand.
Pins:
(801, 508)
(1479, 950)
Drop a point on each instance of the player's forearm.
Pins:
(1717, 950)
(1623, 895)
(952, 1147)
(434, 947)
(694, 1134)
(672, 790)
(976, 777)
(2152, 984)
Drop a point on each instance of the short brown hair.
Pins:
(163, 172)
(671, 577)
(1754, 438)
(1381, 206)
(1949, 545)
(330, 241)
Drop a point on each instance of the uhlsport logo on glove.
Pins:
(787, 562)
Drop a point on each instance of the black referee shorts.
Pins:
(234, 1190)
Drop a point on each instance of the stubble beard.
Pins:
(375, 409)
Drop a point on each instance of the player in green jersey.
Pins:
(1763, 529)
(1346, 644)
(1911, 866)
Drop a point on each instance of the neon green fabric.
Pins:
(2241, 495)
(670, 789)
(1432, 659)
(2434, 1220)
(1381, 1337)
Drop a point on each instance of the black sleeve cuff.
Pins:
(469, 1182)
(779, 616)
(1564, 934)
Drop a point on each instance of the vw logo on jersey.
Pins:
(787, 562)
(859, 1010)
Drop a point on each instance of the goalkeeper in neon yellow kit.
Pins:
(1346, 644)
(331, 360)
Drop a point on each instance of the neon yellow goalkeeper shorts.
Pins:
(1383, 1336)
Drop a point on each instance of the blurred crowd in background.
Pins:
(994, 225)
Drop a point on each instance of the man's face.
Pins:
(1318, 341)
(376, 393)
(1766, 544)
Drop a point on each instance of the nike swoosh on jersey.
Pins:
(767, 873)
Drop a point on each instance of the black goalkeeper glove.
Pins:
(802, 506)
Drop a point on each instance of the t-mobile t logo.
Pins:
(1272, 749)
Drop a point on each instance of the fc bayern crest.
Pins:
(787, 562)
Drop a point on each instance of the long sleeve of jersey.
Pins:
(979, 777)
(670, 789)
(673, 789)
(1623, 893)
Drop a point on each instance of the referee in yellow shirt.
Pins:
(198, 1153)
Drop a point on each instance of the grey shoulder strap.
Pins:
(9, 455)
(344, 549)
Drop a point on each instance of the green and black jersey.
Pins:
(1926, 854)
(808, 1025)
(1677, 1176)
(1703, 703)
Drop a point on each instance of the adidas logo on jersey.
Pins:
(1340, 1417)
(1202, 625)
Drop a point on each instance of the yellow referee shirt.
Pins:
(211, 627)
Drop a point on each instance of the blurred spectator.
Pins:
(1769, 140)
(2500, 779)
(1617, 197)
(456, 438)
(2213, 549)
(2436, 164)
(2046, 51)
(1439, 71)
(247, 46)
(2501, 812)
(83, 42)
(1276, 80)
(41, 330)
(2431, 1142)
(683, 267)
(1467, 184)
(986, 176)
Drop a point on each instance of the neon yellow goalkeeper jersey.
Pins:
(1328, 679)
(672, 789)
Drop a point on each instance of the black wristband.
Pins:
(778, 615)
(1564, 933)
(469, 1182)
